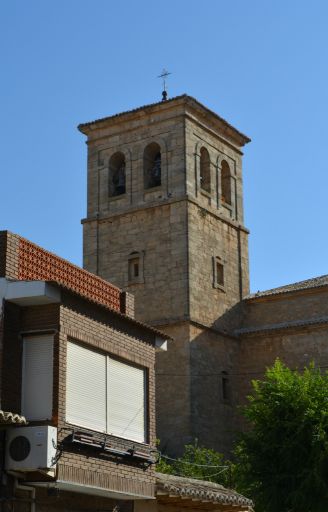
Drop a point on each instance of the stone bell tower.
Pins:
(165, 222)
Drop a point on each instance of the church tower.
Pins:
(165, 222)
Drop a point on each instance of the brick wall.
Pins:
(78, 320)
(107, 334)
(17, 321)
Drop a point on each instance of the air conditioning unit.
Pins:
(31, 448)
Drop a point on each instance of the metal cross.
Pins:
(164, 75)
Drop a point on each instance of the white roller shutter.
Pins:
(86, 388)
(37, 377)
(126, 400)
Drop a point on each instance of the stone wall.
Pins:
(220, 149)
(176, 230)
(158, 235)
(301, 305)
(296, 347)
(131, 135)
(210, 237)
(189, 397)
(212, 358)
(173, 391)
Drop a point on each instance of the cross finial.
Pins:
(164, 75)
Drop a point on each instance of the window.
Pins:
(218, 272)
(135, 267)
(225, 387)
(225, 182)
(152, 166)
(205, 170)
(116, 175)
(105, 394)
(37, 377)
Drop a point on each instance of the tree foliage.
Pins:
(198, 462)
(282, 461)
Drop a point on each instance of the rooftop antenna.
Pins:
(164, 75)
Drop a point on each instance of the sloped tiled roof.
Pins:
(11, 418)
(172, 485)
(315, 282)
(151, 105)
(294, 324)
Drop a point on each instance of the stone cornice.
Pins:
(162, 323)
(318, 322)
(201, 110)
(156, 204)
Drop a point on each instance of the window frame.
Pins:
(205, 168)
(131, 278)
(113, 168)
(225, 387)
(106, 413)
(40, 388)
(150, 153)
(217, 260)
(225, 179)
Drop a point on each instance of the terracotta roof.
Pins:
(151, 105)
(315, 282)
(11, 418)
(171, 485)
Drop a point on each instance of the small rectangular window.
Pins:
(135, 267)
(218, 273)
(225, 387)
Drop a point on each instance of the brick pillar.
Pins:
(9, 255)
(127, 304)
(1, 346)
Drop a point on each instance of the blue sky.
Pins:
(261, 64)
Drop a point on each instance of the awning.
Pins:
(192, 493)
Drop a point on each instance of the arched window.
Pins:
(116, 175)
(152, 166)
(225, 182)
(205, 170)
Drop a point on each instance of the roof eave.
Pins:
(160, 338)
(241, 138)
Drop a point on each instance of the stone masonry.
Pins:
(179, 231)
(190, 245)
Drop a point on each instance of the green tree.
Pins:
(197, 462)
(282, 461)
